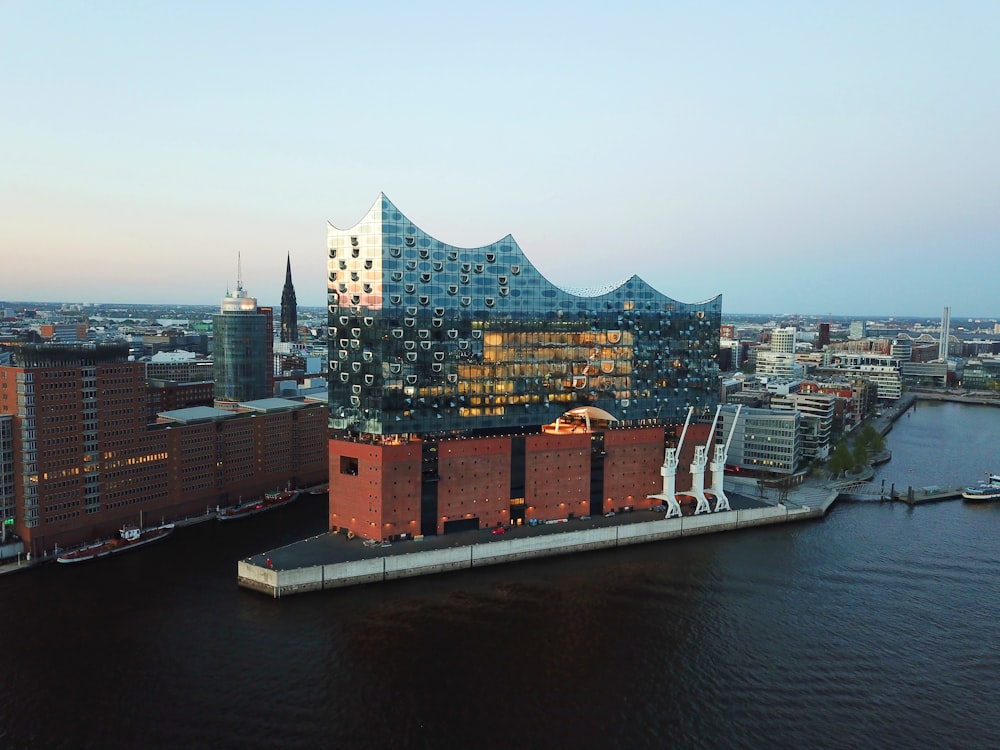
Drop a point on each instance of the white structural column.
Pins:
(669, 473)
(718, 466)
(698, 479)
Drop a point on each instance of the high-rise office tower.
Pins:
(289, 311)
(242, 349)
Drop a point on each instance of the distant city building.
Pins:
(938, 372)
(63, 333)
(242, 345)
(180, 367)
(857, 329)
(902, 349)
(168, 395)
(882, 370)
(289, 308)
(778, 358)
(823, 337)
(783, 340)
(982, 374)
(777, 364)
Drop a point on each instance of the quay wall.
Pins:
(279, 583)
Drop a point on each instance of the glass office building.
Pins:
(242, 344)
(429, 338)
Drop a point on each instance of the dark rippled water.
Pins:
(875, 627)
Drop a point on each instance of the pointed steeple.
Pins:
(289, 308)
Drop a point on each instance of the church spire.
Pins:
(289, 308)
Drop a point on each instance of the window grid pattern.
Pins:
(430, 337)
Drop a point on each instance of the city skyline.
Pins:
(788, 158)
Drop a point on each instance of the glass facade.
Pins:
(240, 355)
(426, 337)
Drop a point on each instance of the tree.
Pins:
(860, 457)
(841, 460)
(871, 439)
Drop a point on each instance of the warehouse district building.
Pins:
(84, 460)
(467, 391)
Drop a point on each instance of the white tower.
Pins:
(783, 340)
(945, 333)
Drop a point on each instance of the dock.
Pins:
(331, 561)
(921, 495)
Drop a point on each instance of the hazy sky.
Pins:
(795, 157)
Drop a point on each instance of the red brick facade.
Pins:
(557, 475)
(474, 481)
(376, 488)
(86, 461)
(632, 467)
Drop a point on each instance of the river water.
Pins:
(874, 627)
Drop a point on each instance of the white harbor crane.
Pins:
(718, 465)
(698, 470)
(697, 490)
(669, 473)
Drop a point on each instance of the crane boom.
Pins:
(684, 431)
(711, 434)
(732, 431)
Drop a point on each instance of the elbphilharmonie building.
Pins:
(430, 338)
(466, 391)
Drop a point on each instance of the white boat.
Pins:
(984, 491)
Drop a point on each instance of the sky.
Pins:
(839, 158)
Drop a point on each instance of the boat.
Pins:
(129, 537)
(270, 501)
(984, 491)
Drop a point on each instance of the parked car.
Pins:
(500, 530)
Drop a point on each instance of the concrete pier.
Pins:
(300, 568)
